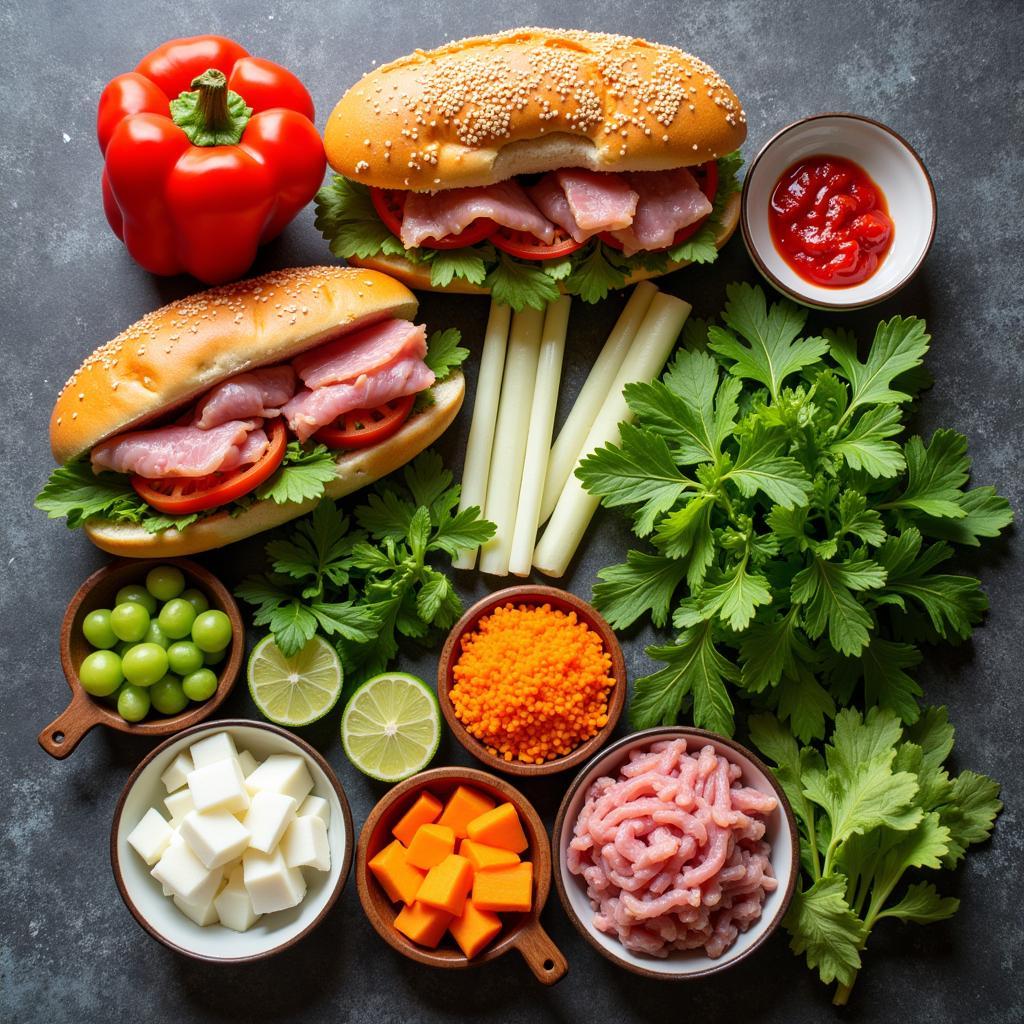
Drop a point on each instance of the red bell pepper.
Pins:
(209, 153)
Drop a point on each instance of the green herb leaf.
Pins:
(826, 931)
(935, 475)
(922, 904)
(865, 445)
(76, 493)
(520, 285)
(302, 476)
(444, 353)
(464, 264)
(644, 584)
(595, 273)
(346, 218)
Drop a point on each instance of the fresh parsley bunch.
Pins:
(346, 217)
(768, 472)
(367, 585)
(75, 493)
(878, 804)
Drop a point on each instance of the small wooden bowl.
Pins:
(521, 931)
(781, 833)
(273, 933)
(560, 600)
(84, 712)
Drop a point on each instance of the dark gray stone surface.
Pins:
(946, 75)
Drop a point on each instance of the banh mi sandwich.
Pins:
(533, 161)
(234, 410)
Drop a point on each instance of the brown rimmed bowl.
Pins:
(272, 933)
(781, 833)
(560, 600)
(85, 712)
(890, 161)
(520, 931)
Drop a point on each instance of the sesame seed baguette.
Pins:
(356, 469)
(529, 100)
(417, 275)
(176, 353)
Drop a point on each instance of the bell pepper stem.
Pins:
(213, 99)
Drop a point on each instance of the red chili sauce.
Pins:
(829, 221)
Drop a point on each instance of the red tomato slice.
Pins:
(707, 178)
(181, 496)
(363, 427)
(529, 247)
(390, 206)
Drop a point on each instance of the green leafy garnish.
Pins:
(367, 585)
(879, 803)
(346, 217)
(797, 540)
(302, 476)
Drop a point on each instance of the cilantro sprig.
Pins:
(366, 580)
(798, 543)
(346, 217)
(877, 804)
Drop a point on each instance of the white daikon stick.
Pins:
(475, 470)
(655, 339)
(508, 451)
(538, 441)
(565, 452)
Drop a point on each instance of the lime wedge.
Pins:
(295, 691)
(391, 726)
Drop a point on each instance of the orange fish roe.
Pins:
(532, 683)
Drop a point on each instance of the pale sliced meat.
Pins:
(257, 393)
(549, 198)
(308, 411)
(256, 443)
(435, 215)
(175, 451)
(599, 202)
(669, 200)
(364, 351)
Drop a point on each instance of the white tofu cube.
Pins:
(178, 804)
(151, 836)
(186, 876)
(268, 817)
(282, 773)
(234, 908)
(305, 844)
(177, 772)
(215, 837)
(270, 883)
(315, 806)
(219, 786)
(203, 914)
(209, 749)
(247, 763)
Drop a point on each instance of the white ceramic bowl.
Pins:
(273, 932)
(780, 833)
(893, 165)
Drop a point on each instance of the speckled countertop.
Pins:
(946, 75)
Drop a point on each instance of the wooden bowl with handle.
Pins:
(520, 931)
(559, 600)
(85, 712)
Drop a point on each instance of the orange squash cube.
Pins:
(484, 857)
(424, 925)
(504, 889)
(447, 885)
(463, 806)
(430, 846)
(399, 879)
(499, 827)
(474, 929)
(424, 810)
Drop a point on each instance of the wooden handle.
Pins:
(544, 958)
(65, 732)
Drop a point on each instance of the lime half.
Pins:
(391, 726)
(295, 691)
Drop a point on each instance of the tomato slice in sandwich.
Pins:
(363, 427)
(528, 247)
(706, 176)
(390, 206)
(181, 496)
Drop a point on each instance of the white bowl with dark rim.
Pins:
(889, 160)
(272, 933)
(780, 833)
